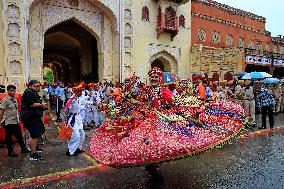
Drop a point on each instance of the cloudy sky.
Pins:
(272, 10)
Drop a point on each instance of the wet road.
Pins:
(253, 162)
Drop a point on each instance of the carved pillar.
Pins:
(13, 18)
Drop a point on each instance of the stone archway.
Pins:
(91, 15)
(165, 61)
(75, 49)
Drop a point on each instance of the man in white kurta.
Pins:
(75, 119)
(97, 99)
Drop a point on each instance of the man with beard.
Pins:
(31, 114)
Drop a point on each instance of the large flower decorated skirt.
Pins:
(136, 134)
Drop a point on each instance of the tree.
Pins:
(48, 75)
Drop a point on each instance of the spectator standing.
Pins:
(51, 90)
(43, 93)
(68, 91)
(249, 102)
(266, 102)
(282, 101)
(31, 114)
(60, 98)
(238, 94)
(9, 117)
(200, 91)
(278, 97)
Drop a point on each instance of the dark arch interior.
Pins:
(159, 64)
(256, 68)
(71, 52)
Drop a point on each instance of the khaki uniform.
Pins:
(239, 94)
(44, 96)
(10, 107)
(278, 97)
(249, 102)
(282, 102)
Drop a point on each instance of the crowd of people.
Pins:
(86, 105)
(253, 95)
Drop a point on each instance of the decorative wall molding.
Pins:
(49, 13)
(232, 10)
(229, 23)
(155, 48)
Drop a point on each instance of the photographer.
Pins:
(31, 113)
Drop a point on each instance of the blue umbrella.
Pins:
(256, 75)
(271, 81)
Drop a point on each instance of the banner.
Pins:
(263, 61)
(258, 60)
(278, 63)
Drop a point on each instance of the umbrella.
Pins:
(256, 75)
(271, 81)
(170, 77)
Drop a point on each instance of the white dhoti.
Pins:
(78, 135)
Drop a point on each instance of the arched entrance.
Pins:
(71, 52)
(75, 40)
(162, 64)
(228, 76)
(164, 61)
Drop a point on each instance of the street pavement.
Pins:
(253, 161)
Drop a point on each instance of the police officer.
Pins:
(249, 102)
(9, 117)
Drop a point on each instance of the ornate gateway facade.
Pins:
(95, 39)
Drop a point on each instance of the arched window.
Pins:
(170, 17)
(145, 14)
(229, 40)
(181, 21)
(215, 77)
(216, 37)
(228, 76)
(201, 34)
(241, 42)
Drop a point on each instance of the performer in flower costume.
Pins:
(150, 125)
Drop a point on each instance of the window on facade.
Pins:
(181, 21)
(258, 45)
(281, 50)
(275, 48)
(145, 14)
(201, 34)
(241, 42)
(267, 47)
(251, 44)
(229, 40)
(216, 37)
(170, 17)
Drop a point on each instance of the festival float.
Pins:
(149, 125)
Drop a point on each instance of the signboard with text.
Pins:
(258, 60)
(263, 61)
